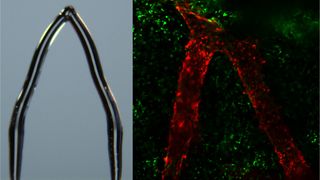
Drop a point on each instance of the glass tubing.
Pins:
(114, 126)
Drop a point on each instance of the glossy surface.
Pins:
(16, 131)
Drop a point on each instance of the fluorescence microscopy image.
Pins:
(226, 89)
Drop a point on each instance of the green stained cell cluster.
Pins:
(205, 7)
(297, 26)
(138, 109)
(146, 11)
(214, 10)
(153, 164)
(313, 137)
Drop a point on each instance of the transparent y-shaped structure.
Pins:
(16, 129)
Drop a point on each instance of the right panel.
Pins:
(225, 89)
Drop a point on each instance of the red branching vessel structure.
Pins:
(205, 39)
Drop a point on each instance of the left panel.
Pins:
(65, 126)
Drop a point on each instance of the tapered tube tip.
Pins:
(67, 10)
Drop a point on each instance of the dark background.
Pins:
(231, 145)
